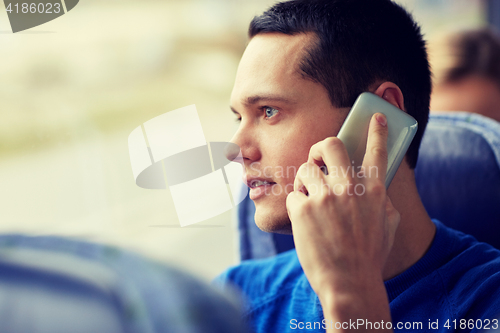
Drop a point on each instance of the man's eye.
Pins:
(269, 111)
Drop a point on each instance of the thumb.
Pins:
(392, 218)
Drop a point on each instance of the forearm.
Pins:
(364, 307)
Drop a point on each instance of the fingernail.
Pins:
(381, 119)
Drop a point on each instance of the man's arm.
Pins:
(344, 227)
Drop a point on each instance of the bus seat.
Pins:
(55, 285)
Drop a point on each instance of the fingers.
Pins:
(310, 177)
(376, 147)
(330, 152)
(294, 200)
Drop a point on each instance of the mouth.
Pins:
(259, 187)
(257, 183)
(254, 182)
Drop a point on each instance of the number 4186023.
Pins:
(33, 8)
(485, 324)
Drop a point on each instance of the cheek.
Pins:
(288, 150)
(290, 162)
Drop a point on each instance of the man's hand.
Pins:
(344, 225)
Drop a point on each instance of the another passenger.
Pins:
(466, 68)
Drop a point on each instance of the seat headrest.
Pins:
(458, 173)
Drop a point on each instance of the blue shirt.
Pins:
(455, 285)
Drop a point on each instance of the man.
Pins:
(467, 72)
(365, 260)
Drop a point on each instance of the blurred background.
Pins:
(73, 89)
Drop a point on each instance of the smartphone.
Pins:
(354, 132)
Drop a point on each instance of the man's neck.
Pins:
(416, 230)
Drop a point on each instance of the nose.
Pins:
(232, 152)
(243, 147)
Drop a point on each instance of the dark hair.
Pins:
(476, 52)
(360, 43)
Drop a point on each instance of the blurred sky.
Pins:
(72, 90)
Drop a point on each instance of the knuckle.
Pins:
(376, 188)
(379, 151)
(324, 198)
(308, 170)
(303, 170)
(291, 201)
(333, 142)
(338, 190)
(315, 146)
(305, 209)
(297, 185)
(302, 167)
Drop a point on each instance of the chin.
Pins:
(273, 221)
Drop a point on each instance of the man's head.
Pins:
(306, 63)
(467, 72)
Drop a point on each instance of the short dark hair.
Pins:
(360, 43)
(475, 52)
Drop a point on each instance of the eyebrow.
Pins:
(252, 100)
(259, 98)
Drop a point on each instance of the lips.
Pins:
(259, 187)
(257, 182)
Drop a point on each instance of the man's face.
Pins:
(282, 116)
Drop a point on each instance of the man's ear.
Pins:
(391, 93)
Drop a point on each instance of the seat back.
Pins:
(54, 284)
(458, 173)
(458, 178)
